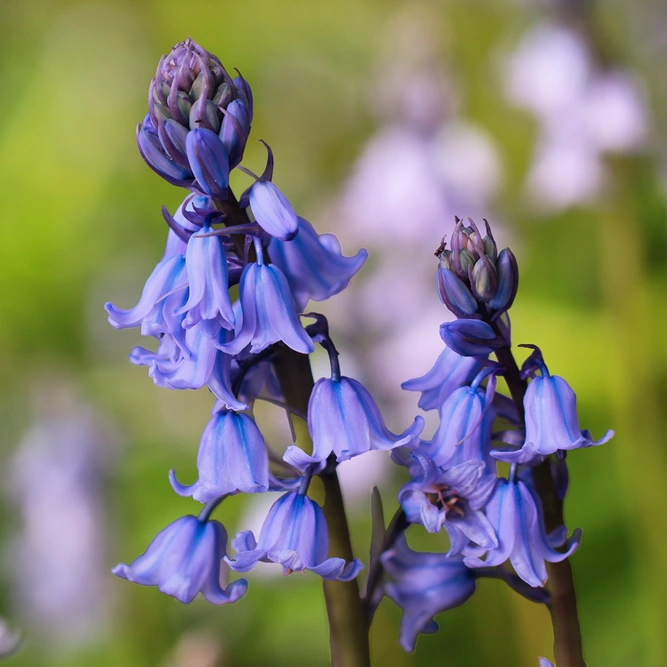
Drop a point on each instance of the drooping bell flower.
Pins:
(273, 211)
(552, 423)
(464, 432)
(267, 311)
(313, 264)
(232, 457)
(181, 365)
(206, 266)
(423, 585)
(449, 372)
(208, 161)
(295, 535)
(545, 663)
(453, 498)
(515, 512)
(167, 276)
(343, 418)
(183, 560)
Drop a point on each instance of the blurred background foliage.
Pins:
(81, 224)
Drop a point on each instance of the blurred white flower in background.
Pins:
(10, 641)
(55, 481)
(583, 112)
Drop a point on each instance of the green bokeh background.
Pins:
(80, 223)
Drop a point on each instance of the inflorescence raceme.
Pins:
(194, 134)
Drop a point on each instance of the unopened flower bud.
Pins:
(466, 261)
(193, 91)
(156, 158)
(470, 338)
(483, 279)
(209, 162)
(508, 282)
(490, 248)
(454, 293)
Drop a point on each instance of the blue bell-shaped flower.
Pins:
(449, 372)
(552, 423)
(343, 418)
(232, 457)
(515, 512)
(183, 560)
(313, 264)
(295, 535)
(267, 312)
(423, 585)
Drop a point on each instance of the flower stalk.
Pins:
(348, 623)
(568, 648)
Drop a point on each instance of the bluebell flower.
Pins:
(449, 372)
(167, 276)
(206, 266)
(268, 313)
(295, 535)
(515, 512)
(220, 381)
(181, 365)
(313, 264)
(232, 457)
(552, 423)
(423, 585)
(343, 418)
(453, 498)
(464, 432)
(546, 663)
(183, 560)
(272, 211)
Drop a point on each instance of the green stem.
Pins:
(568, 648)
(348, 624)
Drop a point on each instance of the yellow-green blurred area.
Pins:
(80, 224)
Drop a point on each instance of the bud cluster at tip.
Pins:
(198, 120)
(477, 284)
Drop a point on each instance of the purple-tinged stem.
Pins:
(568, 648)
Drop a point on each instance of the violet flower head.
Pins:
(552, 423)
(545, 663)
(343, 418)
(449, 372)
(183, 560)
(232, 457)
(423, 585)
(515, 512)
(295, 535)
(453, 498)
(313, 264)
(268, 312)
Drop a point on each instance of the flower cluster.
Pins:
(194, 134)
(454, 484)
